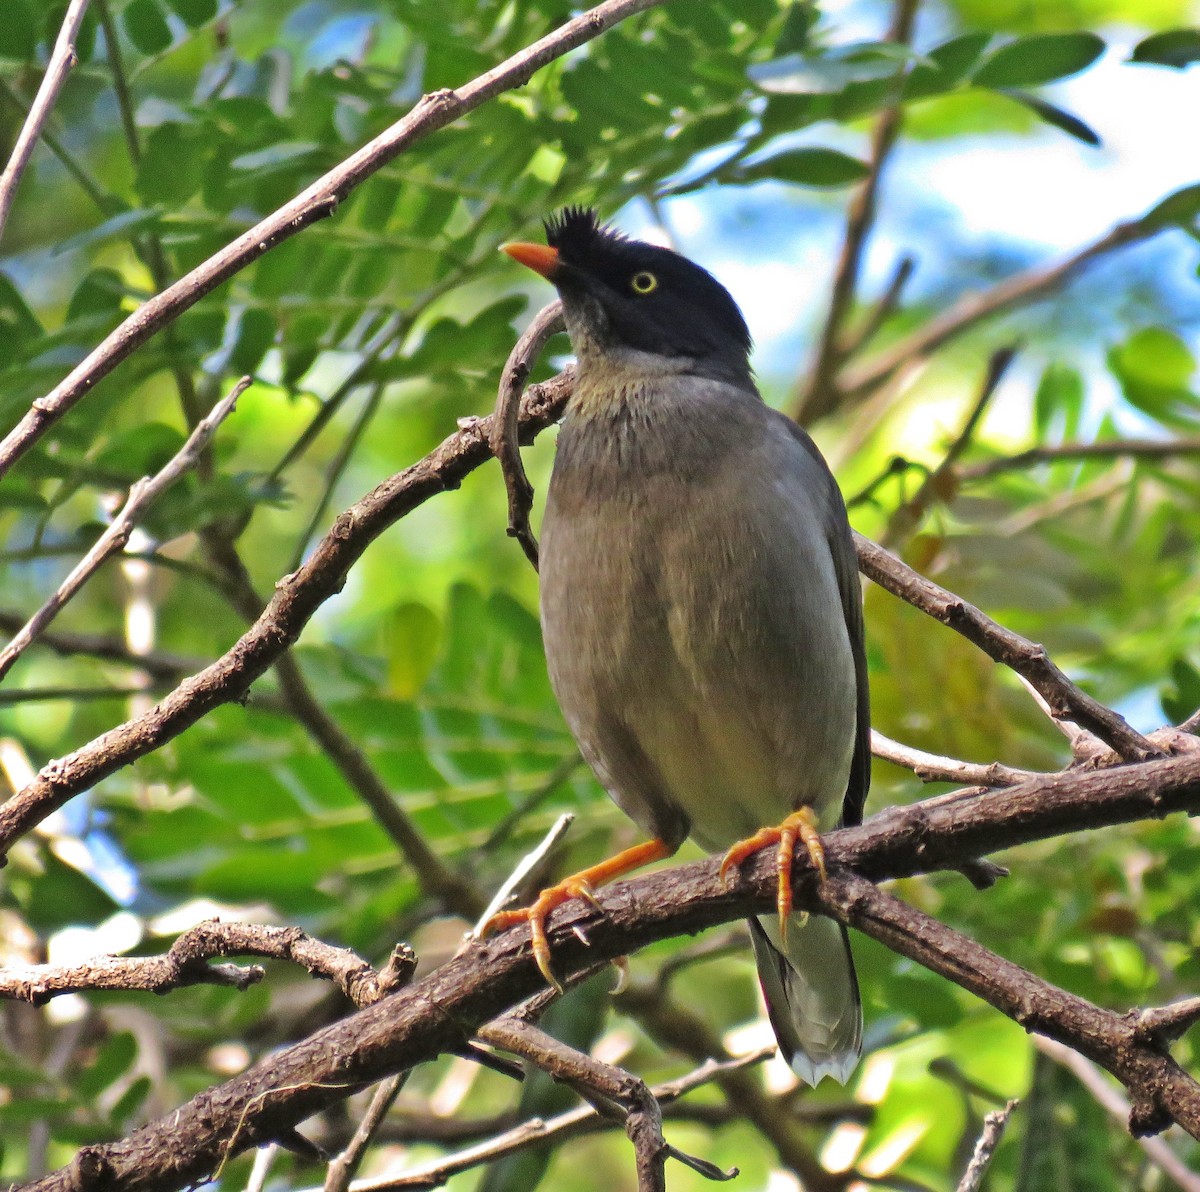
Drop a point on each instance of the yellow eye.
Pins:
(643, 282)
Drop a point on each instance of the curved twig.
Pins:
(502, 438)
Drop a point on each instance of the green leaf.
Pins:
(172, 167)
(1182, 696)
(275, 157)
(831, 71)
(414, 639)
(1179, 209)
(147, 27)
(1176, 47)
(1155, 367)
(1054, 115)
(1058, 402)
(806, 167)
(111, 1062)
(255, 334)
(194, 12)
(797, 26)
(140, 451)
(117, 227)
(18, 324)
(100, 293)
(1031, 61)
(17, 38)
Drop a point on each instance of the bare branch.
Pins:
(141, 495)
(931, 767)
(819, 395)
(1067, 452)
(62, 59)
(295, 599)
(440, 1012)
(524, 868)
(942, 482)
(974, 309)
(431, 113)
(341, 1170)
(1027, 658)
(883, 308)
(503, 436)
(985, 1148)
(185, 964)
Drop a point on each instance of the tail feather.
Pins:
(812, 996)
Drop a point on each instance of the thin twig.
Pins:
(974, 309)
(819, 396)
(186, 964)
(985, 1148)
(503, 437)
(159, 664)
(932, 767)
(141, 495)
(882, 310)
(318, 201)
(941, 483)
(1114, 1102)
(342, 1170)
(538, 1131)
(62, 59)
(524, 868)
(1079, 452)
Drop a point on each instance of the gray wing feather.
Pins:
(845, 563)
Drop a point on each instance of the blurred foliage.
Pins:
(368, 336)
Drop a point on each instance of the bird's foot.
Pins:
(800, 826)
(579, 885)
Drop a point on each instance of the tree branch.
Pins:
(931, 767)
(296, 598)
(819, 396)
(942, 481)
(1108, 449)
(968, 312)
(431, 113)
(62, 59)
(439, 1013)
(141, 495)
(1028, 659)
(503, 436)
(186, 964)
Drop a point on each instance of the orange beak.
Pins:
(538, 257)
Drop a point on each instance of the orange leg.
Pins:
(578, 885)
(800, 825)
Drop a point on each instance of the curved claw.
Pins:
(800, 826)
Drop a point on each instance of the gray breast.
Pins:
(693, 626)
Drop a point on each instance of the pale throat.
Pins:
(613, 379)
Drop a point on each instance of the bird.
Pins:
(701, 609)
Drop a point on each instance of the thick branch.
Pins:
(432, 112)
(439, 1013)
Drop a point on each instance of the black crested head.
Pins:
(624, 293)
